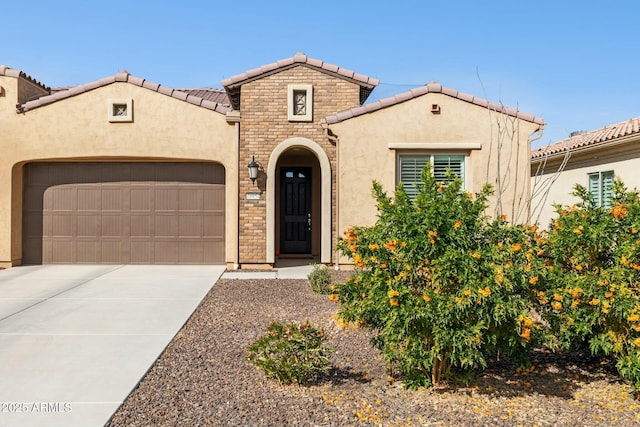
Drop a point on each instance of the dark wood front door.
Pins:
(295, 210)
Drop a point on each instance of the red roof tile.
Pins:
(593, 138)
(212, 99)
(10, 72)
(232, 84)
(423, 90)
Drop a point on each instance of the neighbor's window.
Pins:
(411, 165)
(601, 188)
(300, 103)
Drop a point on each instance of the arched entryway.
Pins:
(303, 164)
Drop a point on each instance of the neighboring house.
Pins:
(123, 170)
(592, 159)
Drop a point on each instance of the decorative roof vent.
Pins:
(576, 133)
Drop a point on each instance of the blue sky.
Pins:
(575, 64)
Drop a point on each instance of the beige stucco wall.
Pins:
(76, 128)
(623, 160)
(364, 154)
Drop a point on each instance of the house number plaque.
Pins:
(253, 195)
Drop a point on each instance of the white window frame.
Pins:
(125, 116)
(308, 116)
(598, 179)
(431, 155)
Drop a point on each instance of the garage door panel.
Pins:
(61, 225)
(62, 199)
(140, 199)
(213, 227)
(87, 226)
(142, 225)
(111, 252)
(87, 251)
(213, 199)
(190, 200)
(88, 199)
(111, 226)
(144, 213)
(141, 252)
(166, 199)
(111, 199)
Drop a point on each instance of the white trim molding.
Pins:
(292, 113)
(120, 110)
(325, 196)
(434, 146)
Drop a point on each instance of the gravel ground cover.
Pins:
(202, 378)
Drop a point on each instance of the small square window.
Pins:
(300, 103)
(120, 110)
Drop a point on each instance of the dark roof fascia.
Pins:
(423, 90)
(11, 72)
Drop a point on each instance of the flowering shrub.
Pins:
(440, 284)
(290, 353)
(320, 279)
(592, 294)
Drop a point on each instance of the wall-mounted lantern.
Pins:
(253, 169)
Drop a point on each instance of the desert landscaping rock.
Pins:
(202, 378)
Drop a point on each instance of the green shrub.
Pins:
(320, 279)
(290, 353)
(440, 283)
(592, 291)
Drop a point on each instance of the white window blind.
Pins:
(601, 188)
(411, 167)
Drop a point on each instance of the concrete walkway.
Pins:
(289, 272)
(76, 340)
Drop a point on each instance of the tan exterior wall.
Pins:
(77, 128)
(623, 160)
(364, 151)
(264, 124)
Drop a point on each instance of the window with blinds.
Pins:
(411, 166)
(601, 188)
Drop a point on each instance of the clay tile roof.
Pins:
(211, 99)
(594, 138)
(10, 72)
(432, 87)
(233, 84)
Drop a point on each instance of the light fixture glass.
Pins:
(253, 169)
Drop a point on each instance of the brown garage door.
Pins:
(123, 213)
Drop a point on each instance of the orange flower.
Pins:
(636, 342)
(475, 255)
(357, 260)
(556, 305)
(579, 267)
(516, 247)
(467, 292)
(426, 298)
(373, 246)
(383, 265)
(333, 297)
(353, 248)
(633, 318)
(594, 301)
(526, 333)
(503, 217)
(533, 228)
(457, 224)
(390, 245)
(392, 293)
(533, 281)
(619, 211)
(485, 292)
(394, 302)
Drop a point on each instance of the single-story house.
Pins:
(592, 159)
(124, 170)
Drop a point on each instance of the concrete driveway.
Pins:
(75, 340)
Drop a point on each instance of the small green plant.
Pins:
(291, 353)
(320, 279)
